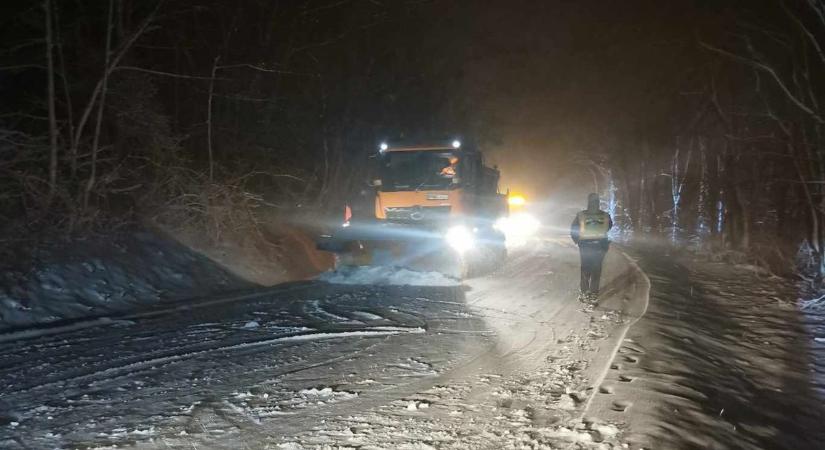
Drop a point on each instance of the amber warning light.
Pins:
(516, 200)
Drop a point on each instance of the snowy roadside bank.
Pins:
(91, 279)
(722, 359)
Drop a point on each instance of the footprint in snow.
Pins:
(578, 397)
(620, 405)
(414, 405)
(631, 348)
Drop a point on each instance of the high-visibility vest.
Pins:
(593, 225)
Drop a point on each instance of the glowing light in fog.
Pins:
(518, 228)
(456, 143)
(460, 238)
(516, 200)
(384, 146)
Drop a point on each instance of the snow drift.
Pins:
(91, 279)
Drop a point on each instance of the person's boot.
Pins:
(593, 297)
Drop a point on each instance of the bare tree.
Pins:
(111, 65)
(211, 96)
(67, 95)
(678, 177)
(90, 182)
(50, 100)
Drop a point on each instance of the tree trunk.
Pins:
(90, 183)
(52, 117)
(67, 94)
(702, 207)
(209, 119)
(642, 212)
(743, 240)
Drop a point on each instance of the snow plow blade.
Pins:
(417, 248)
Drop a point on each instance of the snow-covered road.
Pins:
(506, 360)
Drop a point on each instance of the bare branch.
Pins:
(26, 115)
(770, 71)
(20, 46)
(265, 69)
(817, 7)
(21, 67)
(111, 65)
(161, 73)
(774, 36)
(806, 32)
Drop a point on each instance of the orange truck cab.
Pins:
(429, 184)
(427, 198)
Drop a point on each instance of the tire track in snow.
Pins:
(129, 369)
(67, 326)
(130, 364)
(161, 394)
(298, 310)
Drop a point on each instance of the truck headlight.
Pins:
(460, 238)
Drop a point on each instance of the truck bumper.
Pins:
(341, 239)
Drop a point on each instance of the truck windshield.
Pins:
(413, 170)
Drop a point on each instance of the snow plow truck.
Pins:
(426, 207)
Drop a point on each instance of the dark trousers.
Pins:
(592, 255)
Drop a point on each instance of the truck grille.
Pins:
(417, 214)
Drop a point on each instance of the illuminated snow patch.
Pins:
(367, 315)
(326, 393)
(382, 275)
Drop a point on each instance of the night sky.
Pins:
(563, 79)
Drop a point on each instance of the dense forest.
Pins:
(120, 109)
(735, 160)
(200, 112)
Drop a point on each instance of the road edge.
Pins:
(622, 333)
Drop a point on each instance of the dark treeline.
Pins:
(196, 111)
(729, 152)
(704, 119)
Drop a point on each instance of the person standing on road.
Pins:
(589, 231)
